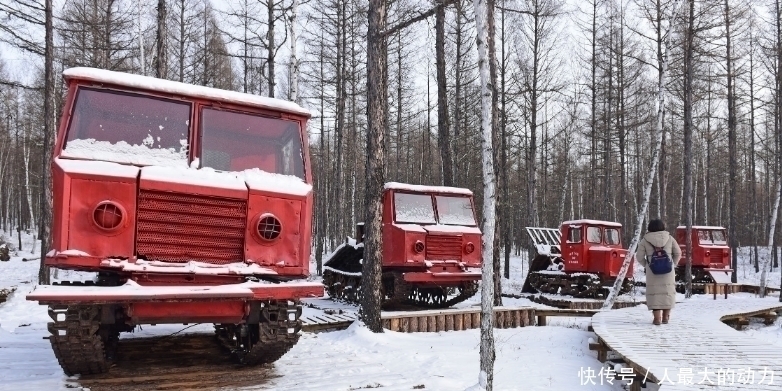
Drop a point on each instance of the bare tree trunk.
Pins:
(482, 23)
(777, 128)
(294, 71)
(271, 47)
(161, 61)
(496, 140)
(45, 203)
(443, 124)
(662, 65)
(732, 167)
(688, 63)
(377, 106)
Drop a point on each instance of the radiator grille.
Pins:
(442, 247)
(716, 257)
(181, 227)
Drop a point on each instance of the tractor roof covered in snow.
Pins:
(146, 83)
(426, 189)
(592, 222)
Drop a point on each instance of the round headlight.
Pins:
(469, 248)
(108, 216)
(418, 246)
(269, 227)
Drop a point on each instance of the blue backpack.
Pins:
(659, 261)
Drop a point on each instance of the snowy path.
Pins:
(696, 351)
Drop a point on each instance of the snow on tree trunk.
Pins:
(772, 229)
(662, 65)
(487, 273)
(294, 71)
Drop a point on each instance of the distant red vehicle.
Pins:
(431, 249)
(710, 251)
(192, 205)
(582, 259)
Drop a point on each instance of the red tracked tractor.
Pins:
(431, 249)
(581, 259)
(710, 254)
(191, 205)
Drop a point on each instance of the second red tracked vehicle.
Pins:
(431, 249)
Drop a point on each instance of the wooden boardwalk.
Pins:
(696, 347)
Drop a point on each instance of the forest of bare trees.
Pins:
(575, 94)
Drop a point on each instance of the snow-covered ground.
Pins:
(530, 358)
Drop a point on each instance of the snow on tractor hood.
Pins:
(241, 181)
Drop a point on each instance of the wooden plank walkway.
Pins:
(695, 340)
(326, 321)
(456, 319)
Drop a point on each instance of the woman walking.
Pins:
(660, 288)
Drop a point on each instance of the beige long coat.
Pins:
(660, 288)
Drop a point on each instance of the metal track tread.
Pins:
(275, 334)
(696, 338)
(76, 341)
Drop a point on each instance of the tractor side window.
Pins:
(704, 237)
(593, 235)
(574, 235)
(414, 208)
(718, 237)
(611, 236)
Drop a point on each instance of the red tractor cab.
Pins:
(710, 251)
(191, 204)
(431, 249)
(582, 259)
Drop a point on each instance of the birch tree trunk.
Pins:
(775, 210)
(486, 377)
(26, 148)
(772, 228)
(377, 106)
(662, 65)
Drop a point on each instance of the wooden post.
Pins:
(459, 322)
(405, 325)
(467, 321)
(715, 290)
(394, 324)
(449, 322)
(414, 324)
(541, 320)
(431, 324)
(440, 322)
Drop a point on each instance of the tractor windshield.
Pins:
(711, 237)
(128, 128)
(414, 208)
(234, 141)
(455, 210)
(718, 237)
(611, 236)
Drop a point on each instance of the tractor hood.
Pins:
(225, 184)
(451, 229)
